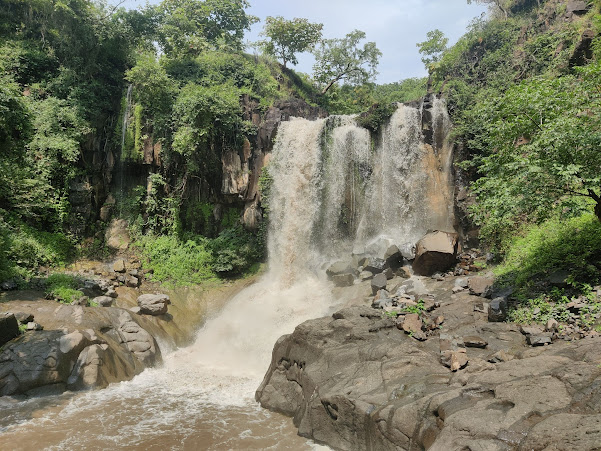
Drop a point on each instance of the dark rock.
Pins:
(389, 273)
(153, 304)
(375, 265)
(23, 317)
(559, 279)
(497, 310)
(8, 285)
(378, 283)
(393, 257)
(9, 328)
(436, 251)
(343, 280)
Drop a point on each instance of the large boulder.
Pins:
(339, 268)
(153, 304)
(435, 252)
(9, 328)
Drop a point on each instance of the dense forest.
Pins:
(87, 90)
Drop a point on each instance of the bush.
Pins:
(63, 288)
(235, 251)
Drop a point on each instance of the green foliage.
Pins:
(376, 116)
(235, 250)
(63, 288)
(433, 47)
(573, 245)
(344, 60)
(289, 37)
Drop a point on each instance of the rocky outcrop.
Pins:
(355, 382)
(100, 346)
(153, 304)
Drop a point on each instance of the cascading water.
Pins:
(333, 190)
(124, 125)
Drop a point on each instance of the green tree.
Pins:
(289, 37)
(502, 5)
(433, 47)
(191, 26)
(542, 138)
(344, 59)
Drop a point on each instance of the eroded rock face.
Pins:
(354, 385)
(80, 358)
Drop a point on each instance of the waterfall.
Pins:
(335, 188)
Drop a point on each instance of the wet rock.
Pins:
(9, 328)
(474, 341)
(375, 265)
(407, 251)
(24, 317)
(343, 280)
(103, 301)
(339, 268)
(393, 256)
(479, 285)
(436, 251)
(153, 304)
(378, 283)
(119, 265)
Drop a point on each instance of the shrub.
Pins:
(63, 288)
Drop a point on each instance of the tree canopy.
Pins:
(433, 47)
(345, 60)
(289, 37)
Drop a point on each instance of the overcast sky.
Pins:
(395, 25)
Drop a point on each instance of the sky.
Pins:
(396, 26)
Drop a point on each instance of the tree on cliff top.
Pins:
(433, 47)
(502, 5)
(289, 37)
(343, 59)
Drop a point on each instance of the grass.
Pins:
(63, 288)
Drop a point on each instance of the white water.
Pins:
(203, 396)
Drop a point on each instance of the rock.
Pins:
(497, 310)
(480, 307)
(531, 330)
(8, 285)
(119, 265)
(375, 265)
(436, 251)
(403, 272)
(135, 310)
(111, 293)
(34, 326)
(379, 246)
(479, 285)
(552, 325)
(132, 282)
(365, 275)
(153, 304)
(379, 282)
(539, 339)
(23, 317)
(83, 301)
(407, 251)
(473, 341)
(461, 282)
(103, 301)
(455, 360)
(343, 280)
(499, 357)
(339, 268)
(9, 328)
(412, 325)
(389, 273)
(393, 257)
(456, 290)
(576, 7)
(559, 279)
(117, 236)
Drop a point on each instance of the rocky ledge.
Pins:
(356, 381)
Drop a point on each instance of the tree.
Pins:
(502, 5)
(432, 48)
(343, 59)
(543, 138)
(288, 37)
(190, 26)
